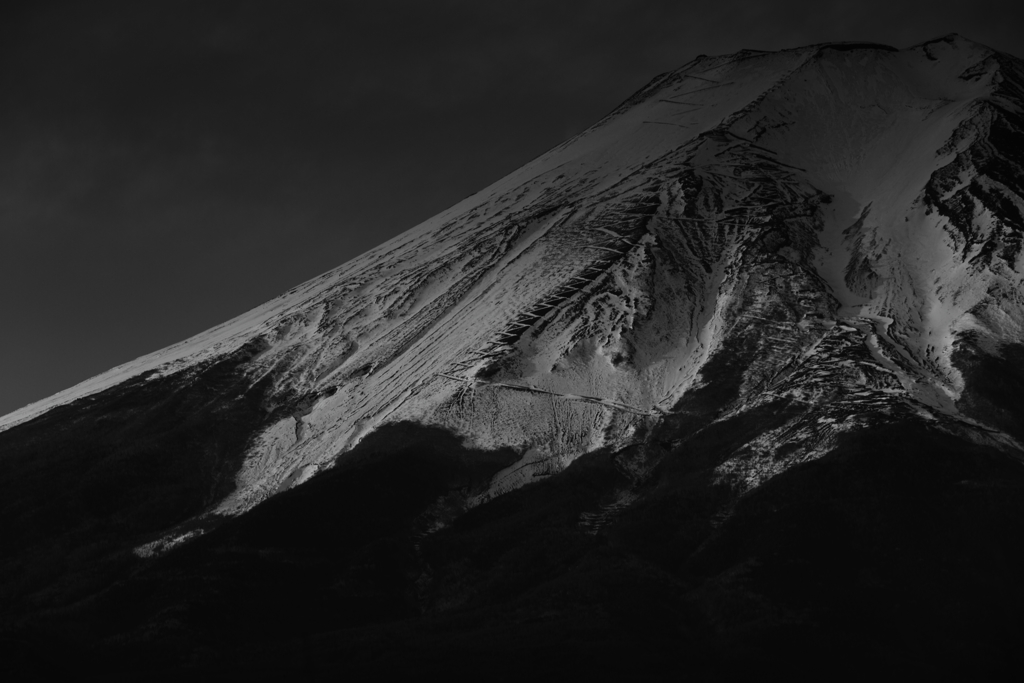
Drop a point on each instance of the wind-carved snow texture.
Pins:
(843, 213)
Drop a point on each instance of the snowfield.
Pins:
(836, 217)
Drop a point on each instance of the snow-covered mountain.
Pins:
(814, 243)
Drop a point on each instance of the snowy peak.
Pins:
(831, 224)
(731, 380)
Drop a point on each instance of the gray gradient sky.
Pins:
(167, 165)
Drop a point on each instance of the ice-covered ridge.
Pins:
(803, 209)
(591, 164)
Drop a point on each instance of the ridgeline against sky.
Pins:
(730, 382)
(169, 165)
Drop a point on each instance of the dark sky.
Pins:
(167, 165)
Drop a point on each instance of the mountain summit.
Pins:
(742, 363)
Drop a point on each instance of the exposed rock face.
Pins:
(803, 248)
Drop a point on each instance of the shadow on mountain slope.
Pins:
(84, 483)
(899, 549)
(994, 385)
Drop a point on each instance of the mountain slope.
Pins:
(768, 281)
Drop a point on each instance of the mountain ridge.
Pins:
(327, 293)
(785, 281)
